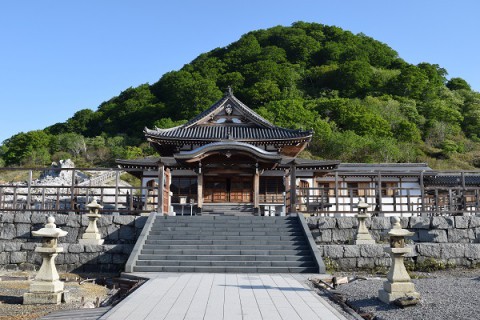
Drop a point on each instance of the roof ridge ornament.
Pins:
(229, 91)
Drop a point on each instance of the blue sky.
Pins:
(57, 56)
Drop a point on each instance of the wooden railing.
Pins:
(74, 196)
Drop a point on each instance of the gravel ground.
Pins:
(11, 298)
(450, 294)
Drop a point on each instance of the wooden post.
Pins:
(293, 187)
(72, 191)
(256, 190)
(161, 182)
(423, 213)
(29, 184)
(117, 182)
(200, 189)
(379, 197)
(337, 205)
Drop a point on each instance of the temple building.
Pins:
(230, 159)
(228, 156)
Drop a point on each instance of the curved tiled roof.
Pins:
(256, 128)
(215, 133)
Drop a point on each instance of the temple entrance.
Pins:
(221, 189)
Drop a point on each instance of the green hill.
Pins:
(363, 101)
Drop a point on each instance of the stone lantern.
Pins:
(363, 236)
(47, 288)
(398, 284)
(92, 235)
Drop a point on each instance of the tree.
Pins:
(458, 84)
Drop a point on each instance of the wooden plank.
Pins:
(184, 299)
(293, 292)
(142, 300)
(216, 299)
(250, 309)
(265, 303)
(320, 307)
(198, 305)
(232, 307)
(284, 307)
(163, 306)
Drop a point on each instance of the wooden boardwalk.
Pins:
(212, 296)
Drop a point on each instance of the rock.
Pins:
(8, 231)
(124, 219)
(472, 251)
(371, 250)
(381, 223)
(88, 305)
(326, 222)
(443, 222)
(461, 235)
(333, 251)
(366, 263)
(23, 217)
(75, 248)
(452, 250)
(419, 223)
(432, 236)
(351, 251)
(429, 250)
(406, 301)
(18, 257)
(462, 222)
(347, 222)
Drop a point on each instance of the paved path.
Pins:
(212, 296)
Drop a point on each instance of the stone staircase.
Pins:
(237, 244)
(230, 209)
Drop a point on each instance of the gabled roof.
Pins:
(228, 119)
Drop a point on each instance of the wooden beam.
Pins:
(293, 188)
(161, 182)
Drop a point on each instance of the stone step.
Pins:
(235, 269)
(227, 233)
(225, 242)
(180, 236)
(225, 257)
(197, 263)
(219, 228)
(230, 252)
(225, 247)
(224, 219)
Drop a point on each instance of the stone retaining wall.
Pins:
(370, 257)
(342, 230)
(17, 244)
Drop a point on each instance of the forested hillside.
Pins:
(363, 101)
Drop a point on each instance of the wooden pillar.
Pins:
(200, 188)
(337, 205)
(161, 182)
(256, 190)
(72, 192)
(117, 183)
(29, 192)
(293, 188)
(379, 195)
(423, 213)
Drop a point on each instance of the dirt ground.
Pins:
(14, 284)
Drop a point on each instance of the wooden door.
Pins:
(228, 189)
(241, 189)
(215, 190)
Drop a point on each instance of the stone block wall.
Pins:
(17, 243)
(342, 230)
(371, 257)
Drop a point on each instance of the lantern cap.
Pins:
(50, 230)
(397, 230)
(94, 205)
